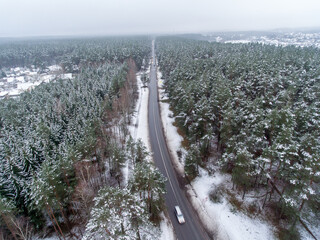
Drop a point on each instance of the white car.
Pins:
(179, 214)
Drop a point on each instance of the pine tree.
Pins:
(192, 162)
(117, 215)
(7, 213)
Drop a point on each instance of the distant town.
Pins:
(14, 81)
(281, 38)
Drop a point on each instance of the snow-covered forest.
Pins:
(251, 111)
(63, 145)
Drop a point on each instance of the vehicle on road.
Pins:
(179, 214)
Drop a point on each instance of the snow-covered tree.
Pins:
(117, 214)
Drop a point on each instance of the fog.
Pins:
(114, 17)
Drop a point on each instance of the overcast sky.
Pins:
(109, 17)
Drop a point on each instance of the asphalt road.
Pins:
(192, 229)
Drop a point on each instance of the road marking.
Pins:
(165, 166)
(154, 120)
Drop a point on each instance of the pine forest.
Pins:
(252, 111)
(63, 144)
(70, 168)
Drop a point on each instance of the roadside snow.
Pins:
(229, 223)
(139, 122)
(166, 229)
(170, 131)
(219, 219)
(140, 130)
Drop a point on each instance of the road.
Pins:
(192, 229)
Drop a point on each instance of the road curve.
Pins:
(192, 229)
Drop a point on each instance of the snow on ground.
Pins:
(219, 218)
(238, 41)
(170, 131)
(139, 121)
(231, 224)
(24, 86)
(20, 80)
(307, 236)
(14, 92)
(10, 79)
(140, 130)
(137, 131)
(55, 68)
(166, 229)
(47, 238)
(47, 77)
(65, 76)
(4, 93)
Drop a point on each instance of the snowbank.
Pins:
(139, 121)
(166, 229)
(140, 130)
(140, 127)
(170, 131)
